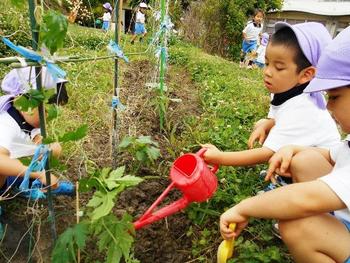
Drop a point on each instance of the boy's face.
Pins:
(32, 117)
(280, 72)
(338, 105)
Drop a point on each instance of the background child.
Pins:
(107, 16)
(307, 224)
(260, 52)
(140, 29)
(20, 133)
(251, 34)
(291, 56)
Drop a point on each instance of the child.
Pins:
(309, 228)
(291, 57)
(140, 28)
(251, 34)
(260, 60)
(20, 135)
(107, 17)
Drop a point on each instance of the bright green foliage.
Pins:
(68, 243)
(52, 112)
(30, 101)
(143, 148)
(108, 185)
(18, 3)
(76, 135)
(114, 237)
(53, 30)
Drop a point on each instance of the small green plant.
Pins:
(142, 148)
(114, 236)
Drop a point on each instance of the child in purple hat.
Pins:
(107, 16)
(314, 214)
(294, 117)
(20, 133)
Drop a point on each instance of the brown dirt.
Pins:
(163, 241)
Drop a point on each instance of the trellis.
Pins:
(161, 36)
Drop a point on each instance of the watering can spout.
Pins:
(161, 213)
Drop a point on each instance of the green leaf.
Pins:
(68, 242)
(129, 180)
(48, 140)
(26, 104)
(53, 30)
(145, 140)
(141, 156)
(117, 173)
(52, 112)
(153, 153)
(125, 142)
(87, 184)
(74, 135)
(102, 203)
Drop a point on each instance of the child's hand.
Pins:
(261, 129)
(232, 216)
(56, 149)
(212, 153)
(279, 163)
(42, 179)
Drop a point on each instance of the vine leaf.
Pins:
(74, 135)
(53, 30)
(68, 242)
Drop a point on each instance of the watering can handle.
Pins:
(200, 153)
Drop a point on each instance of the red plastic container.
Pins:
(192, 176)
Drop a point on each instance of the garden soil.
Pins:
(163, 241)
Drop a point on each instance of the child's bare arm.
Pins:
(13, 167)
(284, 203)
(239, 158)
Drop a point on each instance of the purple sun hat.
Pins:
(19, 81)
(312, 37)
(333, 69)
(107, 6)
(264, 39)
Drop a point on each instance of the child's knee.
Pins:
(302, 160)
(291, 230)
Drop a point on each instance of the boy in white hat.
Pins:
(307, 223)
(20, 133)
(140, 29)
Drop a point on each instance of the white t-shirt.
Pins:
(299, 121)
(140, 17)
(16, 141)
(339, 179)
(261, 54)
(252, 32)
(107, 16)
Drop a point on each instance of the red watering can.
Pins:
(191, 175)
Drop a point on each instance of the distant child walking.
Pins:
(314, 213)
(260, 52)
(140, 29)
(251, 35)
(107, 16)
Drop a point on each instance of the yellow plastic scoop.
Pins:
(225, 250)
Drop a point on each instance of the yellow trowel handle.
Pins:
(225, 250)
